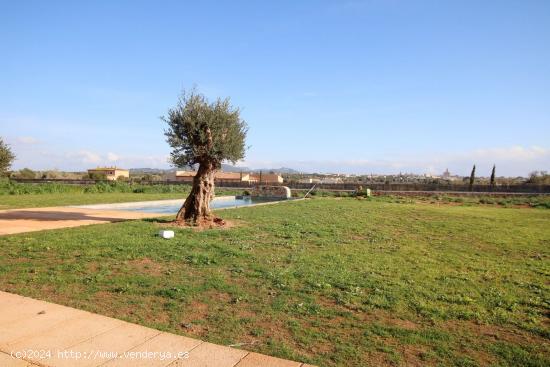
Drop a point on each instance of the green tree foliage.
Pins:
(539, 177)
(206, 134)
(6, 157)
(26, 173)
(97, 176)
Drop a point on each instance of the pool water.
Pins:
(215, 204)
(172, 206)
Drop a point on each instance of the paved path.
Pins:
(51, 335)
(37, 219)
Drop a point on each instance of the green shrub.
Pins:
(542, 205)
(25, 173)
(8, 187)
(97, 176)
(361, 193)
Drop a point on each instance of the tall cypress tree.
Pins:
(472, 177)
(493, 176)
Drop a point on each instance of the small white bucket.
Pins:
(166, 234)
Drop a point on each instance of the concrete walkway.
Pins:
(39, 333)
(37, 219)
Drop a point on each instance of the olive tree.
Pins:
(6, 157)
(203, 134)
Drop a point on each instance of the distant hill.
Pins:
(231, 168)
(282, 170)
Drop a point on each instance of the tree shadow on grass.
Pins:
(48, 216)
(159, 220)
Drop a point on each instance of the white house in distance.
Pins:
(111, 173)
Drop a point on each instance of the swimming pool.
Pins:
(172, 206)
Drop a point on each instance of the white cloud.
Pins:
(510, 161)
(84, 159)
(26, 140)
(112, 157)
(85, 156)
(516, 153)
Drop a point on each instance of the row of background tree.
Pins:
(537, 177)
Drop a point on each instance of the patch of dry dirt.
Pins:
(493, 332)
(147, 266)
(105, 303)
(412, 355)
(216, 223)
(191, 323)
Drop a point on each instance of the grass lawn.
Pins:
(329, 281)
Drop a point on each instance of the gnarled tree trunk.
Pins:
(196, 207)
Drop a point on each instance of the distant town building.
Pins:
(232, 177)
(181, 176)
(449, 177)
(309, 180)
(331, 180)
(187, 176)
(429, 175)
(110, 173)
(266, 178)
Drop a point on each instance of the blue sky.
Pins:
(376, 86)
